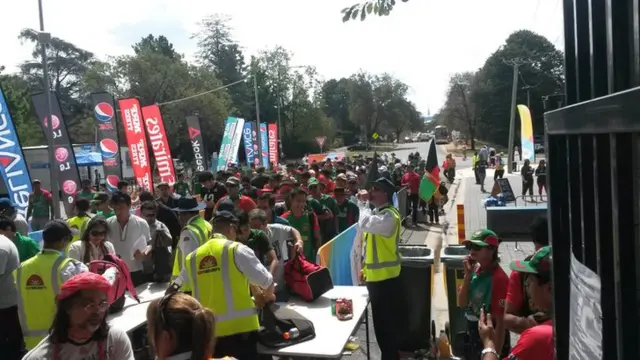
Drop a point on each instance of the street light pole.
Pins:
(44, 38)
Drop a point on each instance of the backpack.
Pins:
(121, 283)
(306, 279)
(276, 321)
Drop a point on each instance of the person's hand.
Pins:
(299, 245)
(259, 299)
(485, 327)
(468, 266)
(361, 277)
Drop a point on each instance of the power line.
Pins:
(202, 93)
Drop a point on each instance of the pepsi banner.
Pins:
(248, 133)
(264, 144)
(13, 167)
(159, 143)
(256, 143)
(197, 144)
(56, 130)
(137, 142)
(108, 140)
(273, 143)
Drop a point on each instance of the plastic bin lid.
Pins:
(416, 254)
(453, 254)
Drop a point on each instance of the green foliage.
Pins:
(479, 103)
(361, 10)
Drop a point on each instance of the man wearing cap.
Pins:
(348, 212)
(195, 233)
(381, 268)
(234, 197)
(219, 274)
(8, 209)
(484, 286)
(40, 208)
(164, 195)
(211, 191)
(536, 342)
(38, 281)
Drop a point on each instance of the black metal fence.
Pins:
(593, 155)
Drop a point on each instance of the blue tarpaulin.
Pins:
(83, 158)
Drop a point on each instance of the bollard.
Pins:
(460, 213)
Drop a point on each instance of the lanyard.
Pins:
(56, 351)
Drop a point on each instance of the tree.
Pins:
(402, 116)
(159, 45)
(459, 111)
(335, 104)
(17, 95)
(376, 7)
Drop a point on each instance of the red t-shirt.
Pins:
(412, 179)
(500, 284)
(514, 291)
(535, 343)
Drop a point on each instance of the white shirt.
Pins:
(376, 222)
(247, 263)
(126, 240)
(188, 242)
(76, 251)
(279, 235)
(9, 261)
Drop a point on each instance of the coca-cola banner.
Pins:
(137, 142)
(108, 141)
(159, 144)
(65, 167)
(195, 135)
(273, 143)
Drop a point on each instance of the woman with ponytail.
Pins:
(179, 328)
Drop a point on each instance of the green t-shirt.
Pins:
(181, 188)
(40, 205)
(27, 247)
(106, 215)
(347, 215)
(303, 225)
(315, 205)
(259, 242)
(86, 194)
(328, 226)
(480, 291)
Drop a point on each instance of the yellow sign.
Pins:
(375, 136)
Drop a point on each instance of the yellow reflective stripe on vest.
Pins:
(376, 263)
(230, 313)
(22, 315)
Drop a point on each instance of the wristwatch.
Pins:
(488, 351)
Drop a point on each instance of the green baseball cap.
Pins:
(312, 181)
(483, 237)
(540, 263)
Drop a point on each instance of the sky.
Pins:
(422, 42)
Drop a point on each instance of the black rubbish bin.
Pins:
(451, 258)
(417, 277)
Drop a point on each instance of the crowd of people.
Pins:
(55, 308)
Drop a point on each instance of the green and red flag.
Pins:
(431, 178)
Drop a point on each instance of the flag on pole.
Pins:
(373, 174)
(431, 178)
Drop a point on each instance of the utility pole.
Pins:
(45, 38)
(516, 63)
(258, 137)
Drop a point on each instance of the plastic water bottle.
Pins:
(443, 345)
(292, 334)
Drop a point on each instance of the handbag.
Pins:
(282, 326)
(306, 279)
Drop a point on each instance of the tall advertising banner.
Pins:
(159, 144)
(137, 142)
(264, 142)
(273, 143)
(66, 168)
(227, 139)
(235, 142)
(526, 133)
(108, 141)
(13, 167)
(247, 138)
(197, 143)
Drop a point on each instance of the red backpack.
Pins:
(306, 279)
(120, 284)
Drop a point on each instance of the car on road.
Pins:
(408, 139)
(424, 137)
(359, 147)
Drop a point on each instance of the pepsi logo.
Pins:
(108, 148)
(62, 154)
(103, 112)
(69, 187)
(112, 182)
(55, 122)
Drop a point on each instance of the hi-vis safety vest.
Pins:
(199, 227)
(474, 160)
(217, 283)
(80, 224)
(38, 281)
(382, 257)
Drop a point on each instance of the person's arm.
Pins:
(297, 238)
(463, 291)
(146, 234)
(498, 296)
(30, 207)
(165, 234)
(514, 302)
(50, 203)
(383, 223)
(316, 231)
(272, 260)
(73, 267)
(22, 227)
(188, 243)
(76, 250)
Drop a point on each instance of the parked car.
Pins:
(359, 147)
(408, 139)
(424, 137)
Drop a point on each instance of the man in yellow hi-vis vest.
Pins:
(38, 281)
(381, 267)
(195, 233)
(219, 274)
(474, 164)
(79, 222)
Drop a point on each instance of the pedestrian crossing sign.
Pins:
(374, 136)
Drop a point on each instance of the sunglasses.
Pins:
(98, 233)
(474, 247)
(92, 307)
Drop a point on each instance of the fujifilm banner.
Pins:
(65, 168)
(195, 135)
